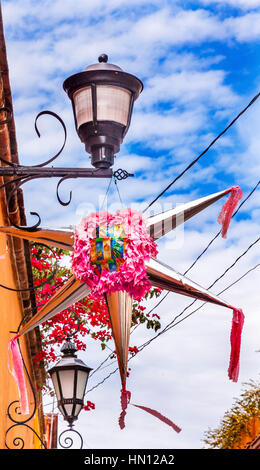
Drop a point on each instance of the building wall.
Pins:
(15, 272)
(11, 313)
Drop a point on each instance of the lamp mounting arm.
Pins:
(16, 175)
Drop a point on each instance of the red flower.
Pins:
(89, 406)
(133, 350)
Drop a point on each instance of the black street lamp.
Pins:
(70, 377)
(102, 99)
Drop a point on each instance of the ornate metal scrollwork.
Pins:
(14, 414)
(20, 422)
(21, 174)
(70, 326)
(51, 113)
(68, 441)
(16, 176)
(121, 174)
(57, 192)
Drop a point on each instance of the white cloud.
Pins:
(243, 4)
(187, 87)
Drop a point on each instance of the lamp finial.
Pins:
(103, 58)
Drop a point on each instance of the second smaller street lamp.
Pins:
(69, 377)
(102, 98)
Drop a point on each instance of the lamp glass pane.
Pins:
(77, 410)
(83, 105)
(61, 409)
(67, 382)
(81, 383)
(68, 408)
(113, 103)
(56, 385)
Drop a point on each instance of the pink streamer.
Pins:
(160, 416)
(228, 209)
(18, 374)
(235, 339)
(125, 400)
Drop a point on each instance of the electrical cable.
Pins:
(191, 313)
(163, 192)
(196, 260)
(217, 235)
(216, 280)
(202, 153)
(221, 292)
(173, 322)
(209, 244)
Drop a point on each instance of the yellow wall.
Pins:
(253, 430)
(11, 314)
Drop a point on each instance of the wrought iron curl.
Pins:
(19, 441)
(21, 174)
(57, 192)
(68, 441)
(51, 113)
(70, 326)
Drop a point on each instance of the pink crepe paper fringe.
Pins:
(18, 374)
(235, 340)
(131, 276)
(125, 400)
(228, 209)
(159, 416)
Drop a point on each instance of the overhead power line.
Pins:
(196, 260)
(221, 292)
(174, 323)
(146, 344)
(191, 266)
(203, 153)
(167, 327)
(217, 235)
(209, 244)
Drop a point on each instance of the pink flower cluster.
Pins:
(140, 247)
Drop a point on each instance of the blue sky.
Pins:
(199, 62)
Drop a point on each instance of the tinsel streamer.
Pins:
(125, 400)
(228, 209)
(235, 340)
(159, 416)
